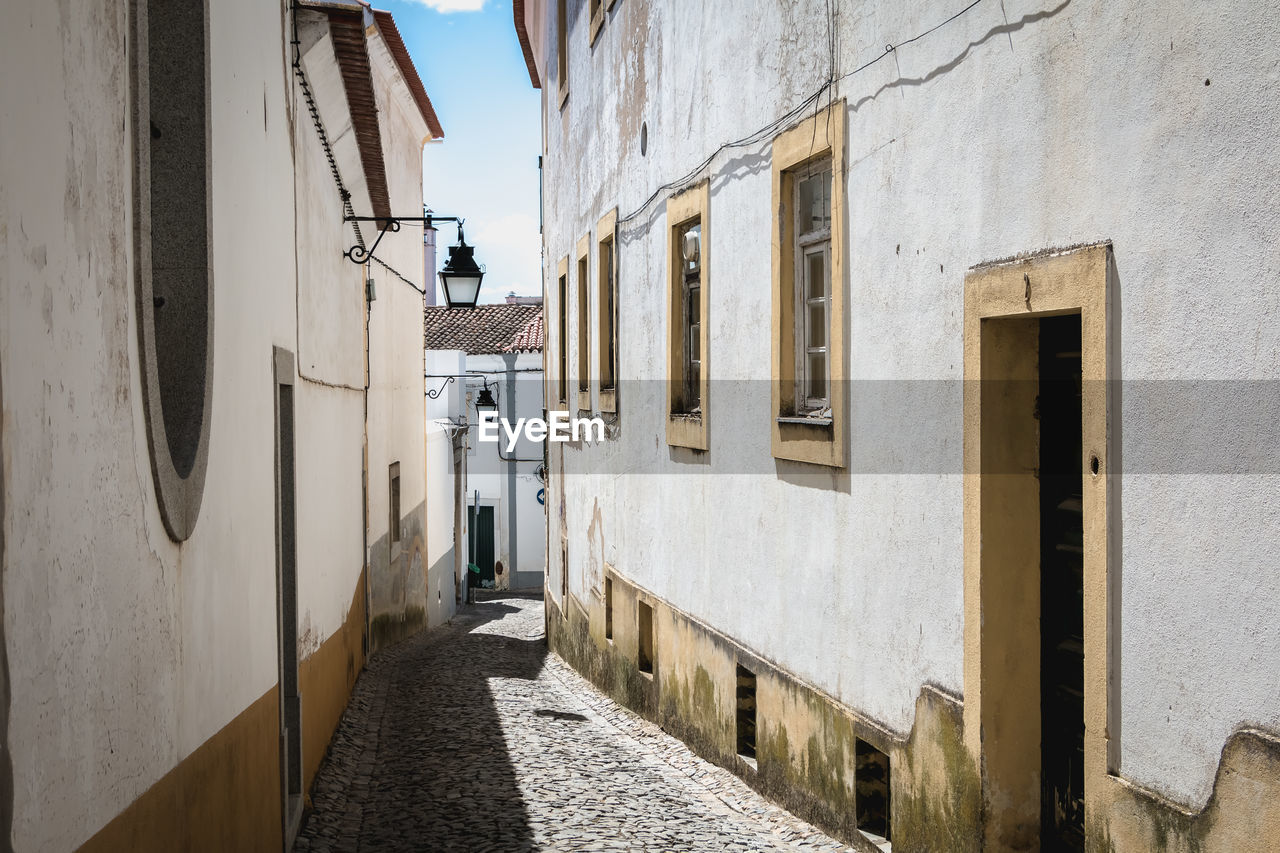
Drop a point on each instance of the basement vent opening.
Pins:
(393, 503)
(644, 655)
(746, 727)
(871, 776)
(608, 608)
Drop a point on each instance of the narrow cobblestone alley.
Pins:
(472, 737)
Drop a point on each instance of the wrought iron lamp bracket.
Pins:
(448, 380)
(358, 254)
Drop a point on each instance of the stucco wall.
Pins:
(1012, 128)
(330, 354)
(397, 411)
(127, 652)
(443, 559)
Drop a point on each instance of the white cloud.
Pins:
(453, 5)
(510, 247)
(515, 231)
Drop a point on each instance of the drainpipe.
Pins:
(459, 517)
(367, 640)
(475, 539)
(512, 529)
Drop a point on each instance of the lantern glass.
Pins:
(461, 290)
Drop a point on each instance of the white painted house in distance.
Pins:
(490, 358)
(199, 391)
(939, 342)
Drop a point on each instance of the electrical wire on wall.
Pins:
(793, 116)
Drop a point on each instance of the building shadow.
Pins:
(434, 772)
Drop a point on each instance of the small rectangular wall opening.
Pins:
(393, 518)
(644, 655)
(608, 608)
(872, 791)
(564, 578)
(746, 719)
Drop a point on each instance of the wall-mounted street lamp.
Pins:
(485, 402)
(461, 275)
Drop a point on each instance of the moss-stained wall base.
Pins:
(398, 584)
(223, 796)
(1243, 813)
(615, 674)
(388, 629)
(806, 741)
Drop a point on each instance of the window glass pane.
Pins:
(691, 247)
(816, 276)
(695, 304)
(607, 332)
(825, 177)
(817, 324)
(695, 342)
(817, 375)
(814, 207)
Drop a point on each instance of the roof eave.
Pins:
(395, 43)
(526, 47)
(346, 30)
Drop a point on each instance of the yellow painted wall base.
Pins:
(326, 680)
(806, 741)
(225, 796)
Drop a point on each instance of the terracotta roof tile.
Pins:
(485, 329)
(528, 339)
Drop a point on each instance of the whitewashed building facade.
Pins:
(198, 392)
(498, 348)
(939, 349)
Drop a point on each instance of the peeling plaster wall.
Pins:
(1015, 127)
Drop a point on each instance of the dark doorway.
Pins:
(1058, 408)
(480, 546)
(287, 598)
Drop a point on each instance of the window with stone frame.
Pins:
(689, 240)
(688, 305)
(562, 51)
(606, 310)
(812, 252)
(562, 334)
(809, 364)
(596, 10)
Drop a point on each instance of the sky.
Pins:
(486, 168)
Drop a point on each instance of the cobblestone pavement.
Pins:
(472, 737)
